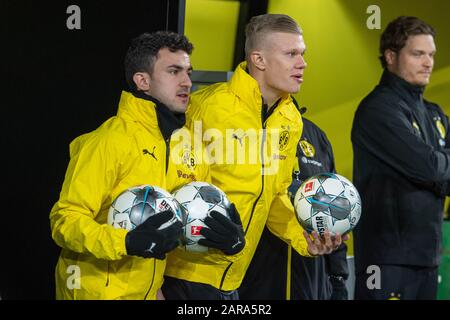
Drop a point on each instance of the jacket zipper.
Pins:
(263, 140)
(167, 141)
(153, 279)
(107, 275)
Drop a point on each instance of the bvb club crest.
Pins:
(307, 148)
(440, 127)
(189, 159)
(416, 127)
(394, 296)
(284, 140)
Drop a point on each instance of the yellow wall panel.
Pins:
(211, 26)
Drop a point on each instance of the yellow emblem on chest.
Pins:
(307, 148)
(440, 127)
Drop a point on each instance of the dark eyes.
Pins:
(175, 72)
(295, 53)
(420, 54)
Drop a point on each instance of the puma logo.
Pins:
(237, 243)
(145, 151)
(150, 249)
(235, 136)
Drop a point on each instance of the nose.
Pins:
(186, 81)
(428, 61)
(301, 64)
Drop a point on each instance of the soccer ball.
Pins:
(327, 201)
(198, 199)
(133, 206)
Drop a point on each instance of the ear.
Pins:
(390, 57)
(142, 81)
(257, 59)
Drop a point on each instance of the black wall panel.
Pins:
(56, 84)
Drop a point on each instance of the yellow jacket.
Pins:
(230, 117)
(127, 150)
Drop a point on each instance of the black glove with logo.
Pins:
(339, 288)
(147, 241)
(222, 233)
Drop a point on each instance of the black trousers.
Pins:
(398, 282)
(266, 277)
(177, 289)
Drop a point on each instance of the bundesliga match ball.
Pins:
(197, 200)
(135, 205)
(327, 201)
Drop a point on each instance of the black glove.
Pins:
(222, 233)
(339, 288)
(147, 241)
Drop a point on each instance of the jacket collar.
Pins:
(151, 113)
(400, 85)
(246, 87)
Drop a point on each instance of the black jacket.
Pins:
(266, 277)
(309, 276)
(401, 169)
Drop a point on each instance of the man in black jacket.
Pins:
(401, 169)
(278, 272)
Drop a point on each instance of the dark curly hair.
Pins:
(143, 51)
(397, 32)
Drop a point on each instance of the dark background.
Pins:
(56, 84)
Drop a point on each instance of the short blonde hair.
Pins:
(259, 26)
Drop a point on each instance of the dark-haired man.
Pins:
(401, 169)
(132, 148)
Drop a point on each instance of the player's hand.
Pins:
(160, 295)
(222, 233)
(148, 241)
(318, 246)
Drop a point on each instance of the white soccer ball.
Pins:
(327, 201)
(136, 204)
(198, 199)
